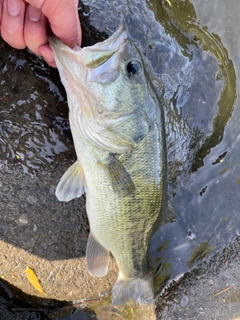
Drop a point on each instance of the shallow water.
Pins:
(33, 120)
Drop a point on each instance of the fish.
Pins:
(117, 123)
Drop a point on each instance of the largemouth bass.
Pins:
(117, 125)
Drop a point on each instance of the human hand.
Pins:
(24, 23)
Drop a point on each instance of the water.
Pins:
(33, 117)
(207, 204)
(192, 53)
(196, 74)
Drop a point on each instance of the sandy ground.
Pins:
(48, 236)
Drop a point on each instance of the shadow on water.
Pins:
(196, 80)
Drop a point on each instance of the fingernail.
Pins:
(34, 14)
(14, 7)
(48, 58)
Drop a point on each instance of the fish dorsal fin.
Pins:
(97, 258)
(71, 184)
(120, 178)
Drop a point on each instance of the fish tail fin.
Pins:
(137, 289)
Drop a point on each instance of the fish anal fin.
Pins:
(97, 258)
(120, 178)
(71, 184)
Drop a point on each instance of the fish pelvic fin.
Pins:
(97, 258)
(137, 289)
(71, 184)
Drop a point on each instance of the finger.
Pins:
(13, 13)
(47, 54)
(62, 18)
(35, 33)
(1, 7)
(79, 30)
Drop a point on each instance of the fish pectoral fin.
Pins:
(71, 184)
(120, 178)
(97, 258)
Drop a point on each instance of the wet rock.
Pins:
(228, 274)
(52, 190)
(31, 199)
(4, 226)
(23, 220)
(211, 282)
(184, 301)
(191, 235)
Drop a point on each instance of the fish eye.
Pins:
(133, 67)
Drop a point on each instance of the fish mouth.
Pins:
(109, 46)
(92, 56)
(59, 47)
(97, 63)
